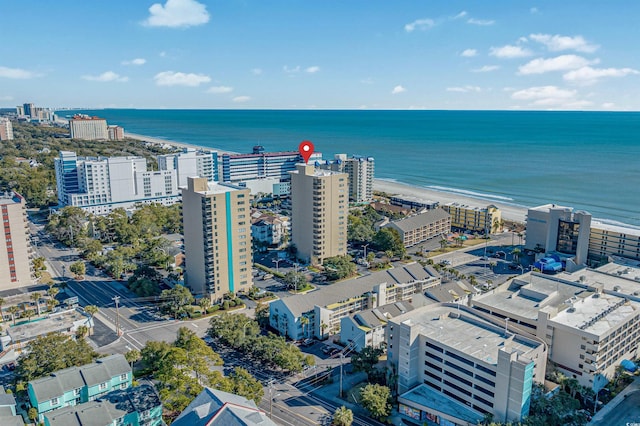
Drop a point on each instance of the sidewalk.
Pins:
(597, 420)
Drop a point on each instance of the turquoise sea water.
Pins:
(587, 160)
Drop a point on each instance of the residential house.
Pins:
(76, 385)
(134, 406)
(217, 408)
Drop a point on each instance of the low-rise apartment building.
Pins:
(420, 227)
(324, 308)
(484, 220)
(367, 328)
(474, 367)
(269, 229)
(76, 385)
(134, 406)
(589, 329)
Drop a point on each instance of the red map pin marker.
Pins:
(306, 149)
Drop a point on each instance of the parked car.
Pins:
(307, 342)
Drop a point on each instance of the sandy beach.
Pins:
(160, 141)
(512, 213)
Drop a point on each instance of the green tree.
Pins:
(36, 299)
(78, 268)
(304, 321)
(262, 314)
(366, 359)
(244, 384)
(339, 267)
(375, 398)
(52, 352)
(133, 356)
(295, 280)
(32, 414)
(389, 238)
(82, 331)
(13, 310)
(175, 300)
(342, 416)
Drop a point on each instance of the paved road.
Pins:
(627, 413)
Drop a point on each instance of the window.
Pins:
(77, 392)
(123, 385)
(124, 376)
(54, 401)
(102, 386)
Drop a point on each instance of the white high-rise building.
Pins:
(99, 185)
(6, 129)
(88, 128)
(191, 163)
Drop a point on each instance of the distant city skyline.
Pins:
(408, 54)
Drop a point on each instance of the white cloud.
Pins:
(556, 43)
(551, 97)
(170, 78)
(469, 53)
(177, 14)
(559, 63)
(543, 92)
(481, 22)
(313, 69)
(464, 89)
(291, 70)
(533, 10)
(16, 73)
(241, 99)
(136, 61)
(460, 15)
(608, 105)
(419, 24)
(509, 51)
(162, 54)
(367, 80)
(106, 76)
(219, 89)
(398, 89)
(6, 98)
(486, 68)
(588, 75)
(256, 71)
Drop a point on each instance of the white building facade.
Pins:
(191, 163)
(100, 185)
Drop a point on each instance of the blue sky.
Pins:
(578, 55)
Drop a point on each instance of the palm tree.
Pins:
(304, 321)
(91, 310)
(323, 327)
(53, 292)
(133, 356)
(29, 313)
(516, 254)
(82, 331)
(204, 303)
(443, 243)
(13, 310)
(51, 303)
(36, 298)
(342, 417)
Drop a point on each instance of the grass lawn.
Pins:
(353, 395)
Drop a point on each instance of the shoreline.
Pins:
(509, 212)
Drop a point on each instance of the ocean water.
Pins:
(586, 160)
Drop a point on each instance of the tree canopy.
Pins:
(376, 399)
(389, 239)
(339, 267)
(53, 352)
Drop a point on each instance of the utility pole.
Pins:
(117, 299)
(271, 399)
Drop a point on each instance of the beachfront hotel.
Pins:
(217, 238)
(420, 227)
(327, 306)
(6, 129)
(484, 220)
(590, 327)
(360, 170)
(560, 230)
(100, 185)
(319, 206)
(15, 245)
(454, 365)
(261, 165)
(613, 240)
(191, 163)
(88, 128)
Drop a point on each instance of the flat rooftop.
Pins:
(597, 313)
(465, 332)
(423, 395)
(219, 188)
(56, 322)
(526, 295)
(629, 230)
